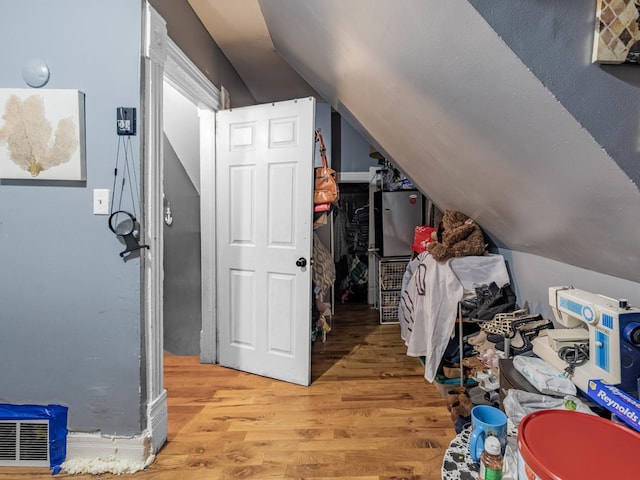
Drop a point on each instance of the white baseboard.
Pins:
(158, 421)
(95, 454)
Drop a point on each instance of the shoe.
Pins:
(461, 408)
(532, 326)
(453, 394)
(492, 337)
(325, 312)
(502, 300)
(500, 324)
(525, 331)
(495, 295)
(469, 304)
(451, 371)
(484, 346)
(477, 339)
(473, 362)
(487, 380)
(520, 343)
(486, 296)
(325, 319)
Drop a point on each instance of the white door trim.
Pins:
(154, 56)
(184, 76)
(208, 334)
(162, 59)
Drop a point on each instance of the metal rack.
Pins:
(390, 273)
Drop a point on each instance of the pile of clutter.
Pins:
(494, 327)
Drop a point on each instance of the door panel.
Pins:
(264, 180)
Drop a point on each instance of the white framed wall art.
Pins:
(42, 134)
(617, 36)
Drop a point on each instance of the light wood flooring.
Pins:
(368, 415)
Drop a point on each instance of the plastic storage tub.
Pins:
(567, 445)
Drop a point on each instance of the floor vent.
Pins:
(33, 435)
(24, 443)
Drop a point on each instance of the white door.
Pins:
(264, 198)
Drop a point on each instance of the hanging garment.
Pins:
(323, 270)
(319, 220)
(429, 310)
(428, 306)
(341, 226)
(358, 235)
(406, 280)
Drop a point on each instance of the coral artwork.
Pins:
(41, 134)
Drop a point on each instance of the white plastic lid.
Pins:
(492, 445)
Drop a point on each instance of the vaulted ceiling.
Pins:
(240, 31)
(441, 93)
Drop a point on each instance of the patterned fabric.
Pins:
(324, 270)
(457, 464)
(358, 233)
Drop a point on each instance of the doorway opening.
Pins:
(182, 299)
(351, 244)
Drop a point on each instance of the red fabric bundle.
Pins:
(421, 237)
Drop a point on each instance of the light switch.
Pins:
(101, 201)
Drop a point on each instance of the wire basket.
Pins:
(391, 283)
(389, 314)
(390, 299)
(393, 269)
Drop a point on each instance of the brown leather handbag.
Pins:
(326, 184)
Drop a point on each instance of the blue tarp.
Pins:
(57, 416)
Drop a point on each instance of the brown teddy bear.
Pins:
(461, 236)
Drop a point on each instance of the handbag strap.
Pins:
(323, 149)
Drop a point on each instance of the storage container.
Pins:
(567, 445)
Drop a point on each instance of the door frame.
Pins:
(182, 74)
(162, 59)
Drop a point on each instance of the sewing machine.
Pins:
(613, 329)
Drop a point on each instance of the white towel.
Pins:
(429, 310)
(428, 305)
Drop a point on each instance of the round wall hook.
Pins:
(35, 72)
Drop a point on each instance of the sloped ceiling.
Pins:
(239, 29)
(437, 89)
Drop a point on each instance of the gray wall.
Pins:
(354, 150)
(532, 276)
(182, 281)
(186, 30)
(603, 98)
(323, 122)
(70, 306)
(549, 39)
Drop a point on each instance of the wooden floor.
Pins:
(368, 415)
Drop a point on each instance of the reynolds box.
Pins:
(623, 405)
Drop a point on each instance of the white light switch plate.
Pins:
(101, 201)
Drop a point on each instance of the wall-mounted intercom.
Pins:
(126, 121)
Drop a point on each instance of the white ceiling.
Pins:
(459, 113)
